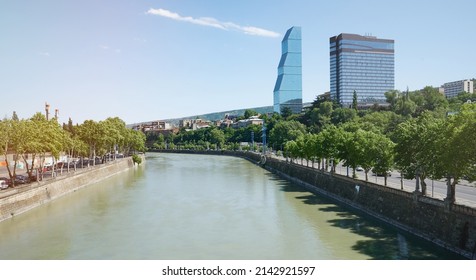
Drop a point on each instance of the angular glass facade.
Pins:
(288, 88)
(364, 64)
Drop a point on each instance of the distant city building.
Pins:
(288, 88)
(194, 124)
(364, 64)
(452, 89)
(254, 120)
(152, 126)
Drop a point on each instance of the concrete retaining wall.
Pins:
(36, 194)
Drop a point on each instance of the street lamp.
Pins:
(253, 140)
(264, 138)
(417, 178)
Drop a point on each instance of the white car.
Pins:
(359, 168)
(3, 185)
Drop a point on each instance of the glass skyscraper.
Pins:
(364, 64)
(288, 88)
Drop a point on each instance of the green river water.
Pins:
(179, 206)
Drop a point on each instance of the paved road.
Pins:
(465, 192)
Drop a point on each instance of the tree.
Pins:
(433, 100)
(135, 141)
(455, 154)
(114, 134)
(249, 113)
(160, 142)
(285, 131)
(332, 141)
(93, 134)
(381, 150)
(384, 121)
(354, 100)
(343, 115)
(416, 147)
(42, 137)
(217, 137)
(6, 142)
(291, 150)
(16, 144)
(392, 97)
(286, 112)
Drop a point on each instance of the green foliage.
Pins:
(136, 159)
(37, 137)
(249, 113)
(286, 112)
(454, 154)
(284, 131)
(343, 115)
(354, 100)
(332, 139)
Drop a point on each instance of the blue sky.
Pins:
(148, 60)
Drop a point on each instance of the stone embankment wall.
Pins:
(453, 228)
(21, 199)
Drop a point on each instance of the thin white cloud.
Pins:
(212, 22)
(107, 48)
(44, 53)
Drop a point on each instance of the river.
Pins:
(180, 206)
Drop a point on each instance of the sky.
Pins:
(147, 60)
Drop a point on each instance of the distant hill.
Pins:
(221, 115)
(217, 116)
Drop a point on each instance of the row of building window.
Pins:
(368, 44)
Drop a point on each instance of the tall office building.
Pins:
(288, 88)
(364, 64)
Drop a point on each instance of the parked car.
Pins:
(382, 174)
(359, 168)
(3, 185)
(7, 180)
(21, 179)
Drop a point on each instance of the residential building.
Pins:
(254, 120)
(364, 64)
(194, 124)
(452, 89)
(288, 87)
(152, 126)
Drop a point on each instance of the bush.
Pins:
(136, 159)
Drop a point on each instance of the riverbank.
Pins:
(452, 227)
(23, 198)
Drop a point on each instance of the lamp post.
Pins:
(253, 140)
(264, 138)
(417, 179)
